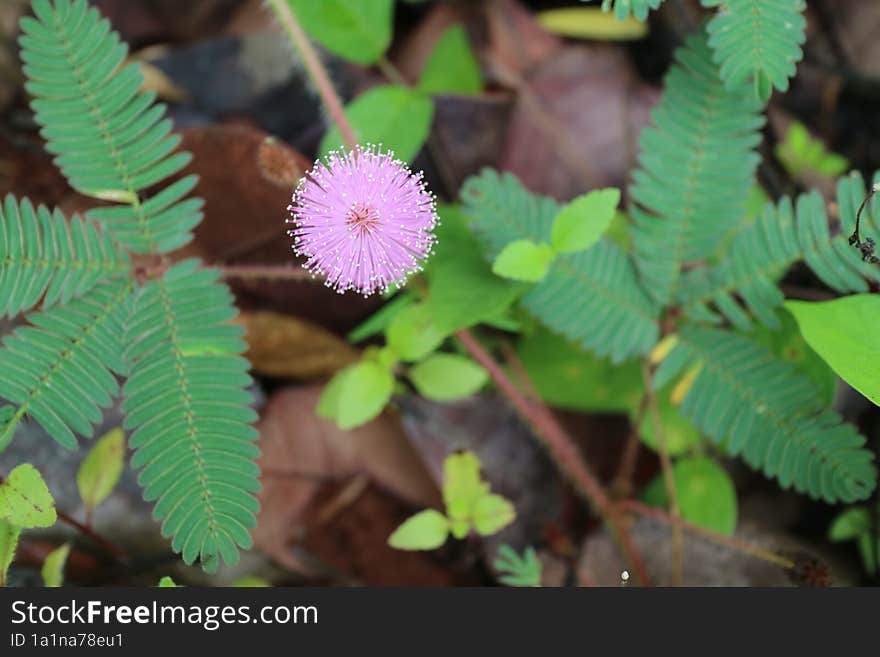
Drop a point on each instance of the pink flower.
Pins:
(363, 220)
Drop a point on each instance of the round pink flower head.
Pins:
(363, 220)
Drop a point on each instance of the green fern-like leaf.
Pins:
(757, 41)
(502, 211)
(782, 235)
(759, 407)
(187, 404)
(592, 297)
(60, 369)
(110, 140)
(624, 8)
(696, 168)
(43, 256)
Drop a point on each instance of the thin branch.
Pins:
(317, 71)
(271, 272)
(108, 545)
(267, 272)
(668, 476)
(562, 449)
(731, 542)
(622, 484)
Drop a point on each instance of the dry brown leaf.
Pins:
(577, 122)
(301, 451)
(285, 346)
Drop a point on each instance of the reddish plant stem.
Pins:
(731, 542)
(90, 533)
(622, 484)
(273, 272)
(562, 449)
(270, 272)
(316, 69)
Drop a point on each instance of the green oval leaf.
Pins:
(8, 542)
(581, 223)
(413, 334)
(361, 393)
(705, 492)
(53, 566)
(396, 117)
(444, 377)
(359, 31)
(462, 485)
(452, 68)
(25, 500)
(100, 470)
(492, 513)
(843, 332)
(425, 530)
(523, 260)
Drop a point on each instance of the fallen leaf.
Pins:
(284, 346)
(301, 452)
(576, 123)
(516, 40)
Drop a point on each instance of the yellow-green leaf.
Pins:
(451, 68)
(365, 391)
(591, 23)
(444, 377)
(100, 470)
(25, 500)
(359, 30)
(492, 513)
(462, 485)
(53, 566)
(396, 117)
(844, 333)
(523, 260)
(580, 223)
(413, 333)
(251, 582)
(8, 542)
(425, 530)
(167, 583)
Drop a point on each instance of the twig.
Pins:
(519, 372)
(317, 71)
(562, 449)
(866, 247)
(90, 533)
(622, 484)
(668, 476)
(269, 272)
(272, 272)
(739, 545)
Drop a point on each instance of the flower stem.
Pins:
(562, 449)
(317, 71)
